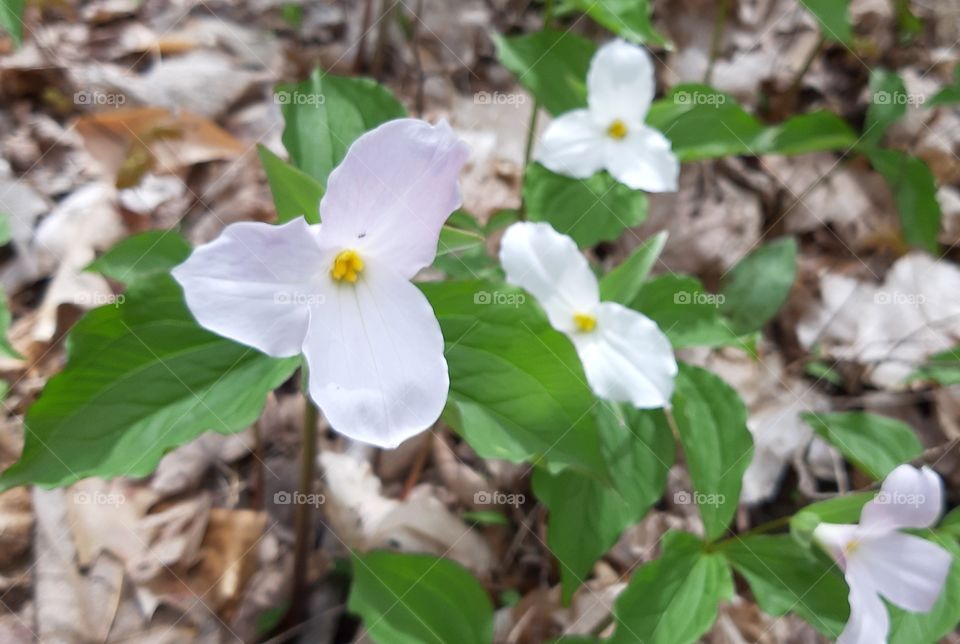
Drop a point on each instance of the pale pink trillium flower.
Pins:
(879, 560)
(625, 355)
(340, 293)
(611, 133)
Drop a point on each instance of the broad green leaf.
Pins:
(875, 444)
(638, 450)
(915, 192)
(805, 133)
(629, 19)
(586, 518)
(949, 95)
(462, 249)
(712, 422)
(586, 515)
(551, 64)
(588, 210)
(684, 311)
(888, 104)
(295, 192)
(517, 389)
(673, 600)
(942, 368)
(910, 628)
(142, 256)
(756, 288)
(325, 114)
(834, 18)
(950, 524)
(785, 578)
(11, 19)
(624, 282)
(703, 123)
(412, 599)
(141, 378)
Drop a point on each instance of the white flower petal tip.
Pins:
(879, 560)
(625, 356)
(341, 294)
(621, 82)
(393, 192)
(610, 134)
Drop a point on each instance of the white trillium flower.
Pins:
(341, 293)
(611, 135)
(877, 559)
(625, 356)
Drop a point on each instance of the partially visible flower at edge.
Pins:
(625, 355)
(611, 133)
(341, 292)
(877, 559)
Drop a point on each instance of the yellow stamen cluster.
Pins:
(852, 546)
(617, 130)
(585, 322)
(347, 266)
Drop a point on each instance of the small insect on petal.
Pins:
(617, 130)
(585, 322)
(347, 266)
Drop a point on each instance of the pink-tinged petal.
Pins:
(392, 193)
(643, 160)
(834, 538)
(254, 284)
(869, 622)
(375, 354)
(621, 83)
(907, 570)
(572, 145)
(549, 266)
(627, 358)
(908, 498)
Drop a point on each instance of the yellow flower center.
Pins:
(852, 546)
(347, 266)
(585, 322)
(617, 130)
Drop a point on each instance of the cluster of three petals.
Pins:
(341, 292)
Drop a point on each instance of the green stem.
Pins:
(532, 126)
(718, 24)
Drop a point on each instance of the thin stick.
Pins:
(302, 509)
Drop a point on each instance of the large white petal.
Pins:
(627, 358)
(908, 498)
(909, 571)
(573, 145)
(643, 160)
(549, 266)
(621, 83)
(392, 193)
(254, 284)
(869, 622)
(375, 353)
